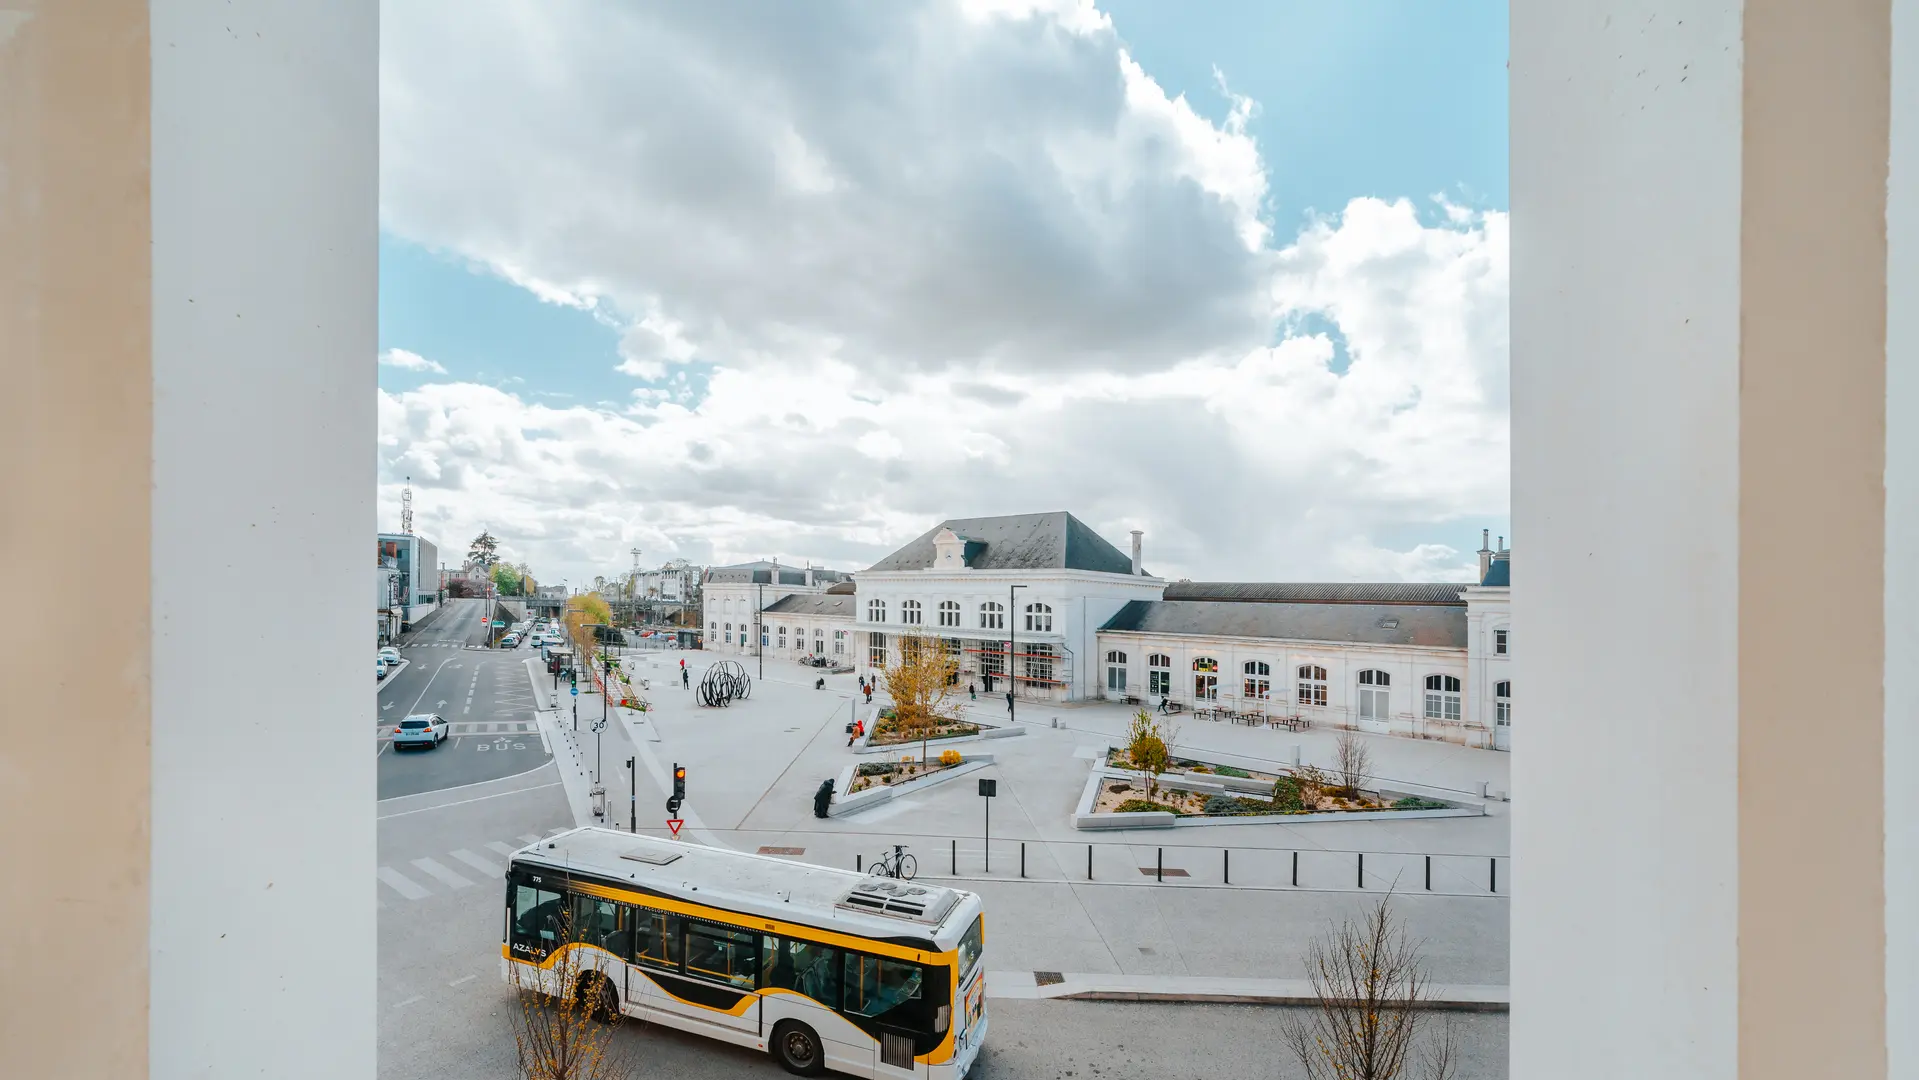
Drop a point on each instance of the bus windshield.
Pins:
(970, 948)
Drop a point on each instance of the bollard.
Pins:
(1022, 858)
(956, 858)
(1362, 869)
(1089, 862)
(1493, 866)
(1429, 873)
(1159, 866)
(1295, 869)
(856, 863)
(1226, 873)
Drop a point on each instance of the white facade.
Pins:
(1037, 610)
(733, 595)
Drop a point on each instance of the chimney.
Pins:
(1136, 535)
(1485, 552)
(809, 575)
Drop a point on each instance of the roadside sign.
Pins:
(576, 690)
(497, 623)
(674, 824)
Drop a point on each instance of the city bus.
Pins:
(821, 968)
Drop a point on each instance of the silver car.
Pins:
(420, 729)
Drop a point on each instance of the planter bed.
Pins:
(846, 802)
(1117, 799)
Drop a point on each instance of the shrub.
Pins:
(950, 758)
(1199, 769)
(1414, 802)
(1223, 804)
(1286, 795)
(1228, 770)
(1141, 806)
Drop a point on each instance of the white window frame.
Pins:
(1312, 685)
(949, 613)
(1503, 703)
(1205, 680)
(1159, 675)
(1039, 618)
(1116, 670)
(1258, 681)
(876, 650)
(1442, 697)
(992, 616)
(909, 612)
(876, 610)
(1502, 642)
(782, 637)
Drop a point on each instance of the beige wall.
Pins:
(75, 429)
(1812, 418)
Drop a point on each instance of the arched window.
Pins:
(1116, 671)
(782, 637)
(876, 651)
(1442, 697)
(1259, 681)
(1159, 674)
(1503, 703)
(949, 613)
(1312, 685)
(876, 611)
(1375, 699)
(1039, 619)
(992, 616)
(910, 612)
(729, 633)
(1205, 679)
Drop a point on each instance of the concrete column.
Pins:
(188, 216)
(1717, 763)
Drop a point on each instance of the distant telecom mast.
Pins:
(636, 560)
(406, 508)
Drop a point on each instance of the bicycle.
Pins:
(898, 864)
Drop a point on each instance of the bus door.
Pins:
(901, 1005)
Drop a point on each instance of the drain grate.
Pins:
(1048, 978)
(782, 851)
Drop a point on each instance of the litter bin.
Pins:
(599, 801)
(822, 798)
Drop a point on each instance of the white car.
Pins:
(379, 668)
(420, 729)
(391, 655)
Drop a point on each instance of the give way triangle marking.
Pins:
(674, 824)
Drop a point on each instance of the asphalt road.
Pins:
(484, 693)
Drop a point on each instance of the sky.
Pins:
(732, 281)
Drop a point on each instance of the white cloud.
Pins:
(933, 260)
(410, 361)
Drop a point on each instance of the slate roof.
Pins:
(761, 573)
(1427, 625)
(1055, 541)
(1258, 592)
(839, 588)
(835, 604)
(1499, 574)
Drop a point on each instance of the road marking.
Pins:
(463, 979)
(484, 866)
(447, 877)
(476, 798)
(504, 849)
(468, 709)
(400, 883)
(408, 1001)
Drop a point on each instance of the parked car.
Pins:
(511, 641)
(421, 729)
(391, 655)
(379, 669)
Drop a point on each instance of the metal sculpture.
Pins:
(725, 683)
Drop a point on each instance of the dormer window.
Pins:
(949, 551)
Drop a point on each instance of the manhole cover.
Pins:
(1048, 978)
(1168, 872)
(782, 851)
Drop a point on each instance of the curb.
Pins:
(1281, 1000)
(1205, 990)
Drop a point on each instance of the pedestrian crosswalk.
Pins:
(431, 875)
(475, 727)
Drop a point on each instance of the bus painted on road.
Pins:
(821, 968)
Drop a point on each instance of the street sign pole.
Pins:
(632, 795)
(988, 790)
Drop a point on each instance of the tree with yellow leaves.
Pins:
(921, 683)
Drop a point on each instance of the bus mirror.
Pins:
(941, 1019)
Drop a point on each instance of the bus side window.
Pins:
(656, 938)
(804, 968)
(876, 988)
(595, 922)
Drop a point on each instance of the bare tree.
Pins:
(566, 1014)
(1353, 762)
(1371, 1021)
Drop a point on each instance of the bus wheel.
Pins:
(797, 1049)
(601, 1000)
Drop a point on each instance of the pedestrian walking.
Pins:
(972, 691)
(686, 679)
(869, 694)
(1009, 703)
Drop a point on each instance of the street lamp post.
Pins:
(759, 631)
(1012, 625)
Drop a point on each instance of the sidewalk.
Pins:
(1038, 985)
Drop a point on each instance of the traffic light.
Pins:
(572, 677)
(679, 790)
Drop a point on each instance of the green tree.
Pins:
(509, 580)
(485, 552)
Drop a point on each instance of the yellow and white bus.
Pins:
(821, 968)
